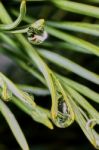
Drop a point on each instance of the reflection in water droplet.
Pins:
(36, 34)
(63, 115)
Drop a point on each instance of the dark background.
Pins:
(38, 136)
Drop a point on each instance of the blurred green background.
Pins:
(38, 136)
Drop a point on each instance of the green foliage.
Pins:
(26, 46)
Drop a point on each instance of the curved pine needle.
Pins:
(18, 20)
(55, 86)
(47, 74)
(82, 102)
(82, 123)
(25, 102)
(23, 97)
